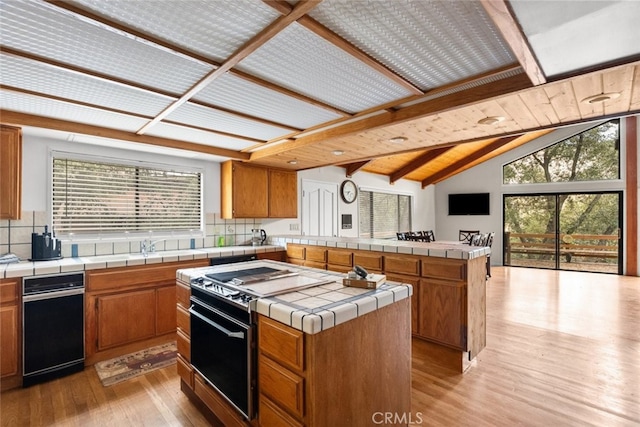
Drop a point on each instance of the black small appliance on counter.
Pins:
(45, 246)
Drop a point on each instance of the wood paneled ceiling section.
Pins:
(273, 81)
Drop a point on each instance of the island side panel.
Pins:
(361, 368)
(476, 306)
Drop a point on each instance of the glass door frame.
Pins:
(620, 195)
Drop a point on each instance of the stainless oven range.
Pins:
(223, 326)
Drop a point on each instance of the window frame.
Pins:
(115, 235)
(410, 211)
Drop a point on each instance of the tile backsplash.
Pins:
(15, 237)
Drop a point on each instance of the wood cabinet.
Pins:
(10, 332)
(183, 333)
(129, 307)
(10, 172)
(252, 191)
(448, 302)
(283, 194)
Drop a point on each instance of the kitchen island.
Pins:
(448, 278)
(325, 355)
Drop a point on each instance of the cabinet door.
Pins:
(10, 172)
(166, 310)
(283, 194)
(8, 340)
(126, 317)
(415, 299)
(250, 191)
(444, 303)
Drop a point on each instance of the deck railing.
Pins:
(595, 247)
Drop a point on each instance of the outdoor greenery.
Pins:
(586, 220)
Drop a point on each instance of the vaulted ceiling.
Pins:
(412, 89)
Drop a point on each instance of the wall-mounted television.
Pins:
(469, 204)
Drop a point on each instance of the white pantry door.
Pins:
(319, 208)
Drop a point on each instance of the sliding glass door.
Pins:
(568, 231)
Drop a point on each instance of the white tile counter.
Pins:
(66, 265)
(318, 308)
(441, 249)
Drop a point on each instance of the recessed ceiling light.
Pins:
(601, 97)
(491, 120)
(293, 162)
(398, 139)
(338, 152)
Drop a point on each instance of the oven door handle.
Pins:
(213, 324)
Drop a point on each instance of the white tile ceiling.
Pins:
(120, 63)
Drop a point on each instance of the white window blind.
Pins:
(92, 197)
(382, 215)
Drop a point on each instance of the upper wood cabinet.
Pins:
(250, 191)
(10, 172)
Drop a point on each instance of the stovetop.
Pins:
(242, 287)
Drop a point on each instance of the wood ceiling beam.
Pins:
(301, 8)
(450, 101)
(352, 168)
(417, 163)
(502, 16)
(433, 178)
(21, 119)
(320, 30)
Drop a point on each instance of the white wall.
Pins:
(423, 207)
(487, 177)
(36, 169)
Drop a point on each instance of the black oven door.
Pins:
(221, 351)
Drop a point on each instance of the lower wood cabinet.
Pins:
(445, 303)
(10, 332)
(448, 302)
(130, 306)
(125, 317)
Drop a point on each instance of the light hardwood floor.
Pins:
(563, 349)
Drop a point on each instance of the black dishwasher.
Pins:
(52, 327)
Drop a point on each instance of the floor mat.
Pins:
(131, 365)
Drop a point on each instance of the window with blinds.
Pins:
(382, 215)
(93, 197)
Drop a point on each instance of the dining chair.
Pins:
(465, 236)
(429, 236)
(489, 242)
(476, 240)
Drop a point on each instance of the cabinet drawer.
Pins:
(282, 386)
(443, 268)
(317, 254)
(183, 344)
(296, 252)
(9, 291)
(338, 268)
(185, 371)
(403, 265)
(122, 277)
(183, 293)
(183, 321)
(368, 261)
(337, 257)
(315, 264)
(272, 416)
(282, 343)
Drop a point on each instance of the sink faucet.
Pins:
(143, 248)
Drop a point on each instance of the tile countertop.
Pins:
(67, 265)
(318, 308)
(441, 249)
